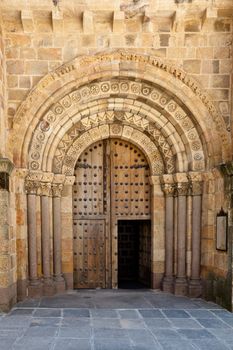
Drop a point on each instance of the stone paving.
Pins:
(116, 320)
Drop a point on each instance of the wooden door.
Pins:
(89, 218)
(112, 183)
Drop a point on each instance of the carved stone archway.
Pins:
(150, 103)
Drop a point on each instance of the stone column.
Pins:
(57, 257)
(182, 187)
(7, 283)
(34, 288)
(67, 231)
(45, 191)
(195, 288)
(168, 188)
(157, 233)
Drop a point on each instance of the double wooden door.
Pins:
(112, 183)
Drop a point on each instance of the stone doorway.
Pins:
(111, 185)
(134, 253)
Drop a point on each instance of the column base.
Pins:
(168, 284)
(156, 280)
(181, 286)
(195, 288)
(59, 284)
(48, 287)
(35, 289)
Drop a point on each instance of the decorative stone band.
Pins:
(6, 167)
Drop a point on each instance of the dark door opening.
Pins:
(134, 253)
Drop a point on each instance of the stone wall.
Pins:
(40, 38)
(2, 93)
(38, 42)
(216, 264)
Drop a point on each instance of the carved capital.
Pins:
(6, 166)
(167, 179)
(31, 187)
(196, 188)
(196, 183)
(59, 179)
(182, 188)
(168, 189)
(180, 177)
(69, 180)
(57, 190)
(45, 189)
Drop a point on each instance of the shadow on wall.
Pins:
(218, 290)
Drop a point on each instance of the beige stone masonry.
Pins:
(57, 20)
(118, 22)
(27, 20)
(88, 25)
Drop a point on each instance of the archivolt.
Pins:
(148, 108)
(108, 118)
(190, 107)
(114, 130)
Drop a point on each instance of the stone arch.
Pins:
(155, 105)
(152, 110)
(113, 131)
(103, 121)
(208, 124)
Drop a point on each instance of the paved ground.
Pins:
(116, 320)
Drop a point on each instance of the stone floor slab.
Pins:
(72, 344)
(116, 319)
(47, 313)
(71, 332)
(104, 313)
(34, 343)
(113, 344)
(129, 314)
(151, 313)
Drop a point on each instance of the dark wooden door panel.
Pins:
(89, 254)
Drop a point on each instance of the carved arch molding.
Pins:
(76, 111)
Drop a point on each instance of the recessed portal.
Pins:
(111, 186)
(134, 253)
